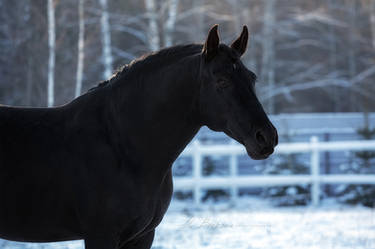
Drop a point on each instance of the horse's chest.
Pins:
(154, 215)
(159, 204)
(152, 209)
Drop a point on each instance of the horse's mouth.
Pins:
(256, 152)
(252, 150)
(258, 155)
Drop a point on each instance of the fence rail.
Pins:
(197, 182)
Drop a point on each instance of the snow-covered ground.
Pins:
(257, 225)
(254, 224)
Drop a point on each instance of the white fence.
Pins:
(197, 151)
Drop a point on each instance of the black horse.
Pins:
(99, 168)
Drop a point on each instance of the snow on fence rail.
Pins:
(197, 151)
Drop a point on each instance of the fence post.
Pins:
(233, 164)
(315, 166)
(197, 171)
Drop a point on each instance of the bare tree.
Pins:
(106, 39)
(170, 22)
(153, 32)
(302, 50)
(352, 63)
(372, 21)
(199, 20)
(51, 45)
(268, 58)
(81, 46)
(335, 91)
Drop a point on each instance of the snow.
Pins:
(255, 224)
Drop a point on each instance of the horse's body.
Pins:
(99, 168)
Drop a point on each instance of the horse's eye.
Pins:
(234, 65)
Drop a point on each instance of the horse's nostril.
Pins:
(260, 138)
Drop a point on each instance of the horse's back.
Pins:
(33, 185)
(28, 135)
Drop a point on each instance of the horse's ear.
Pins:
(240, 44)
(211, 45)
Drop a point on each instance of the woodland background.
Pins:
(310, 56)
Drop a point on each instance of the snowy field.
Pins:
(257, 225)
(254, 224)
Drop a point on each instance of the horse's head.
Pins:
(227, 98)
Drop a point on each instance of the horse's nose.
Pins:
(266, 139)
(260, 138)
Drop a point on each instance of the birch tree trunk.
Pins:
(29, 79)
(352, 52)
(51, 46)
(366, 102)
(106, 40)
(199, 30)
(30, 59)
(153, 28)
(268, 57)
(171, 21)
(372, 21)
(335, 92)
(236, 10)
(81, 46)
(248, 19)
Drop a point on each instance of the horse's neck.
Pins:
(158, 118)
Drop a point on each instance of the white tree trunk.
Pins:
(366, 101)
(171, 21)
(268, 57)
(51, 45)
(81, 46)
(335, 91)
(248, 19)
(352, 52)
(199, 31)
(372, 21)
(236, 15)
(153, 28)
(106, 40)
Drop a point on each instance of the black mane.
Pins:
(166, 55)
